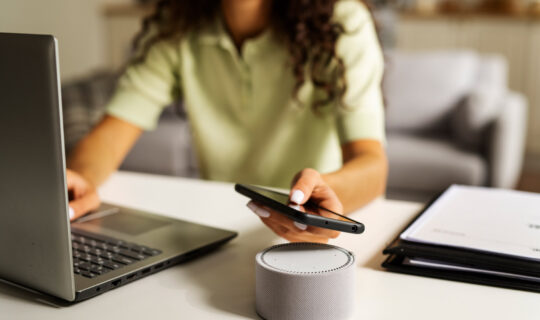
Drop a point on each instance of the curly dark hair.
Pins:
(305, 26)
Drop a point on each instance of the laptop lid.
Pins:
(35, 244)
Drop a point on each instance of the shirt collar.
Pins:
(216, 34)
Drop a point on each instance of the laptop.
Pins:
(39, 248)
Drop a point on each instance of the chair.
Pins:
(451, 119)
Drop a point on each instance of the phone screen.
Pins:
(309, 207)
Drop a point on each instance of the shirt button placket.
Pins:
(246, 86)
(250, 54)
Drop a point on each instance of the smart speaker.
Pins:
(305, 281)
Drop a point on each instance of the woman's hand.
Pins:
(307, 185)
(83, 196)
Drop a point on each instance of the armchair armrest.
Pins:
(166, 150)
(507, 142)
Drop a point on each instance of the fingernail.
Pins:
(300, 226)
(297, 196)
(258, 210)
(71, 213)
(262, 213)
(294, 206)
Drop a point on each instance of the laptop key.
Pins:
(86, 257)
(98, 269)
(115, 249)
(131, 254)
(95, 251)
(78, 239)
(107, 255)
(150, 252)
(103, 246)
(123, 245)
(145, 250)
(115, 242)
(76, 270)
(79, 251)
(96, 260)
(111, 265)
(122, 260)
(90, 235)
(88, 274)
(134, 247)
(85, 266)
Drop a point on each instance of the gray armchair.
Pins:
(166, 150)
(451, 119)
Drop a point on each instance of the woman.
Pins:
(275, 91)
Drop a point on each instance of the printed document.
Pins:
(493, 220)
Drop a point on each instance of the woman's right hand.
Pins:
(83, 195)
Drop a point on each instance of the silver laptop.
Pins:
(39, 249)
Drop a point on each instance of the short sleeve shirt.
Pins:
(246, 124)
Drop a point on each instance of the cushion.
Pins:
(83, 104)
(483, 104)
(167, 150)
(431, 164)
(421, 89)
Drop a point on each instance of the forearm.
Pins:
(102, 151)
(362, 177)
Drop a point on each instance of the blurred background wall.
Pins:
(79, 26)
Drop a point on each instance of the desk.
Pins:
(222, 285)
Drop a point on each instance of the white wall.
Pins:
(78, 25)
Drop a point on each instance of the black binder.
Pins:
(400, 249)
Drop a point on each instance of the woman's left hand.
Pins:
(307, 185)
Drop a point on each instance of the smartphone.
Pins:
(308, 214)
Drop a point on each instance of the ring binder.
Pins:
(399, 251)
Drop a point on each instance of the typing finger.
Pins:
(84, 204)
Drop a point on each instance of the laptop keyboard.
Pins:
(94, 255)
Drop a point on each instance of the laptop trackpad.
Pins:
(127, 223)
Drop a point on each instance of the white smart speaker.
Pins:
(304, 281)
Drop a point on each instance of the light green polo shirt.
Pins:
(245, 124)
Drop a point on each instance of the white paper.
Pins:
(454, 267)
(493, 220)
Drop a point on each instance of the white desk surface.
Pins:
(221, 285)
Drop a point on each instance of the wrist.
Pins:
(91, 183)
(331, 179)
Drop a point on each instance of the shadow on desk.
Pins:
(226, 278)
(13, 292)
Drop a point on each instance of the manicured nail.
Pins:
(295, 206)
(300, 226)
(297, 196)
(71, 213)
(258, 210)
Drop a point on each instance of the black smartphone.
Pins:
(308, 214)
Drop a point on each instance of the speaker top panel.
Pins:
(305, 258)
